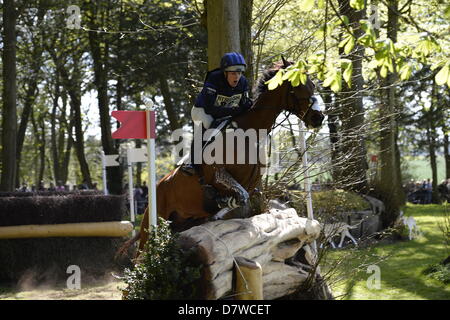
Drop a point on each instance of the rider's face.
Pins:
(233, 77)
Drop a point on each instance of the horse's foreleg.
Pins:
(226, 180)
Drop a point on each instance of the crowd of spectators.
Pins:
(140, 196)
(420, 192)
(41, 186)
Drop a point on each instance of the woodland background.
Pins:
(381, 66)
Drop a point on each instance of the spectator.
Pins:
(144, 190)
(51, 187)
(428, 190)
(41, 186)
(139, 199)
(24, 187)
(84, 185)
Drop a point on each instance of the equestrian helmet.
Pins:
(233, 61)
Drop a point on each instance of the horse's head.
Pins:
(299, 100)
(302, 102)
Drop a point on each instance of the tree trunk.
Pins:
(72, 85)
(30, 98)
(223, 29)
(100, 54)
(53, 136)
(39, 136)
(245, 29)
(431, 115)
(389, 186)
(168, 103)
(32, 88)
(352, 145)
(75, 103)
(68, 150)
(333, 128)
(9, 117)
(446, 155)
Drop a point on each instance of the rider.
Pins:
(225, 93)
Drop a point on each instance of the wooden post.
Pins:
(249, 284)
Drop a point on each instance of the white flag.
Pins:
(137, 155)
(111, 160)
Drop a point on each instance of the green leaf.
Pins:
(405, 72)
(307, 5)
(373, 64)
(328, 81)
(276, 81)
(321, 4)
(288, 74)
(333, 79)
(348, 70)
(303, 77)
(350, 45)
(447, 12)
(336, 86)
(383, 71)
(442, 76)
(343, 42)
(357, 4)
(345, 19)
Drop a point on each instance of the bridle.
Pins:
(290, 93)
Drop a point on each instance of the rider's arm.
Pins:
(206, 100)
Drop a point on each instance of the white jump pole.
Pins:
(130, 188)
(151, 150)
(307, 184)
(105, 188)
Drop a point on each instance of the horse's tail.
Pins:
(122, 251)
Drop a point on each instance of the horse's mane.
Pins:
(266, 76)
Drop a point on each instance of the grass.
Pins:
(401, 264)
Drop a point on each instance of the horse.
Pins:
(182, 198)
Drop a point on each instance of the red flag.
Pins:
(133, 125)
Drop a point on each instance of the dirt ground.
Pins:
(108, 291)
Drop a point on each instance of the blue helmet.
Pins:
(233, 61)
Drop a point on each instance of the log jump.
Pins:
(267, 239)
(84, 229)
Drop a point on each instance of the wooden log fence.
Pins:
(267, 240)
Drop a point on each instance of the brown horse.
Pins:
(181, 198)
